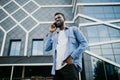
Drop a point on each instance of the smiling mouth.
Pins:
(58, 22)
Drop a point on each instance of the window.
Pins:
(37, 48)
(15, 46)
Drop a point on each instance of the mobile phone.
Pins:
(55, 25)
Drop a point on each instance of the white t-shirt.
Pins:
(61, 49)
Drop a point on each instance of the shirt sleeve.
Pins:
(83, 45)
(48, 42)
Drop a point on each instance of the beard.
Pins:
(59, 25)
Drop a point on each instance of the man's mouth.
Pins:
(58, 22)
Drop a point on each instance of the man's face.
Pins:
(59, 20)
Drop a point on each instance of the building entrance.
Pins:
(25, 73)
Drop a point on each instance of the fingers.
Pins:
(52, 28)
(69, 60)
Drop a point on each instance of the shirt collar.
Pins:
(65, 28)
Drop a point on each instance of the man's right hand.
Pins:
(52, 28)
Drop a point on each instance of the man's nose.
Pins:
(57, 19)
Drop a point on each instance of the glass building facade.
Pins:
(25, 23)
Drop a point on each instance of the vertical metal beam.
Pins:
(80, 76)
(11, 76)
(3, 44)
(23, 72)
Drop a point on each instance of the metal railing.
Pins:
(102, 58)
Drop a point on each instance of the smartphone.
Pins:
(55, 25)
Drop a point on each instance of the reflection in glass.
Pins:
(15, 48)
(30, 7)
(2, 2)
(110, 57)
(8, 23)
(111, 72)
(99, 71)
(117, 58)
(103, 32)
(19, 15)
(92, 31)
(2, 14)
(29, 23)
(11, 7)
(116, 45)
(104, 71)
(107, 51)
(113, 32)
(21, 2)
(37, 48)
(93, 39)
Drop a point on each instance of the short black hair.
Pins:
(60, 14)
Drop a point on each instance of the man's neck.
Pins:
(62, 28)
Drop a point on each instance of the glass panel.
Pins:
(7, 23)
(116, 51)
(30, 7)
(104, 39)
(109, 16)
(108, 9)
(102, 12)
(98, 10)
(93, 40)
(116, 45)
(113, 31)
(52, 2)
(5, 72)
(88, 9)
(103, 32)
(21, 2)
(92, 31)
(99, 70)
(117, 57)
(2, 2)
(118, 24)
(116, 9)
(29, 23)
(11, 7)
(110, 57)
(96, 51)
(100, 16)
(2, 14)
(106, 46)
(37, 47)
(19, 15)
(83, 20)
(17, 72)
(111, 72)
(97, 1)
(15, 48)
(107, 51)
(117, 15)
(115, 37)
(103, 71)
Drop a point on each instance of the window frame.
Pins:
(32, 53)
(10, 46)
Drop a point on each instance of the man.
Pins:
(67, 44)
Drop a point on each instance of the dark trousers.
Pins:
(68, 72)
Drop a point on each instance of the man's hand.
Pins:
(69, 60)
(52, 28)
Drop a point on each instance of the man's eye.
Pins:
(59, 17)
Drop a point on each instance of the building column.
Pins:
(11, 76)
(23, 72)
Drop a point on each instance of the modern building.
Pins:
(24, 25)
